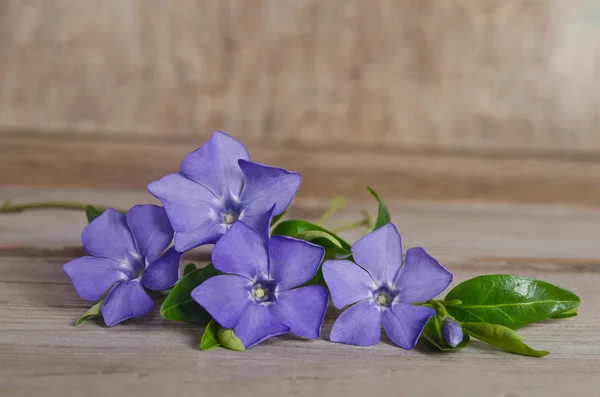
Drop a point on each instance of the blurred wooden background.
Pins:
(468, 99)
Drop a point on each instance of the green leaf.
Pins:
(502, 337)
(188, 269)
(210, 338)
(179, 305)
(93, 311)
(566, 314)
(92, 212)
(311, 235)
(383, 214)
(229, 340)
(276, 218)
(333, 248)
(293, 228)
(511, 301)
(433, 334)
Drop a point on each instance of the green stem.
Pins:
(368, 221)
(7, 207)
(451, 303)
(334, 206)
(439, 307)
(350, 226)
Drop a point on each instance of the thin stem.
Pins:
(7, 207)
(350, 226)
(439, 307)
(451, 303)
(368, 221)
(334, 206)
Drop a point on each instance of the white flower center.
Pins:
(259, 293)
(230, 218)
(383, 299)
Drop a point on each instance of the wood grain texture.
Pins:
(326, 171)
(426, 175)
(41, 354)
(457, 74)
(430, 224)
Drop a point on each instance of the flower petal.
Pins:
(127, 299)
(265, 186)
(108, 236)
(224, 297)
(348, 283)
(189, 204)
(302, 310)
(92, 276)
(421, 278)
(293, 262)
(452, 332)
(380, 253)
(163, 273)
(404, 323)
(260, 222)
(215, 165)
(257, 324)
(151, 230)
(360, 325)
(241, 251)
(208, 233)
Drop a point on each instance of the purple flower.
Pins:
(452, 332)
(125, 256)
(217, 186)
(257, 298)
(382, 291)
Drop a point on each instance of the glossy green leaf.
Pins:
(433, 334)
(293, 228)
(511, 301)
(229, 340)
(188, 269)
(333, 248)
(276, 218)
(94, 311)
(311, 235)
(210, 338)
(502, 337)
(566, 314)
(383, 214)
(179, 305)
(92, 212)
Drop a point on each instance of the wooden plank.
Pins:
(455, 74)
(326, 171)
(486, 229)
(42, 354)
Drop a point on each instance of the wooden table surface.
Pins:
(42, 354)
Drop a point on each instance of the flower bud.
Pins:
(452, 332)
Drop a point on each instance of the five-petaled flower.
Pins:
(258, 298)
(383, 291)
(217, 186)
(125, 256)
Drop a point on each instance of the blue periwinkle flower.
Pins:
(452, 332)
(258, 297)
(217, 186)
(382, 291)
(125, 255)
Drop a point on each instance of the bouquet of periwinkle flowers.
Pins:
(270, 276)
